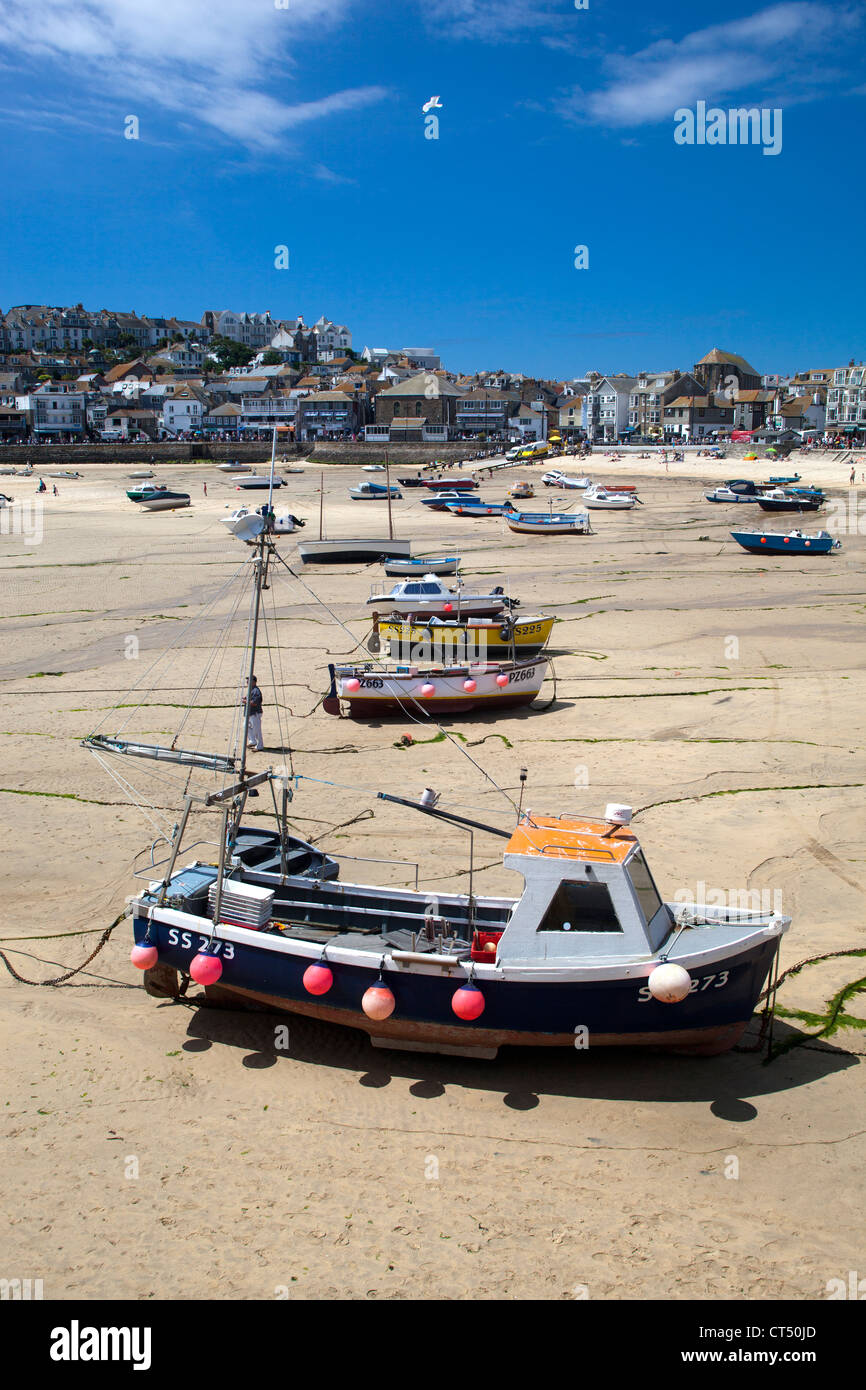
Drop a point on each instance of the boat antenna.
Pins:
(522, 787)
(321, 503)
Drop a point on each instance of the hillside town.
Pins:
(70, 375)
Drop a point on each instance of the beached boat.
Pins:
(476, 639)
(141, 473)
(373, 468)
(234, 466)
(282, 523)
(585, 953)
(412, 480)
(549, 523)
(69, 474)
(790, 500)
(556, 479)
(471, 507)
(348, 549)
(370, 690)
(728, 494)
(787, 542)
(165, 501)
(439, 501)
(146, 491)
(601, 498)
(521, 490)
(429, 595)
(258, 484)
(444, 564)
(461, 484)
(373, 492)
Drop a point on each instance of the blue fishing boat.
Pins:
(374, 492)
(549, 523)
(787, 543)
(472, 508)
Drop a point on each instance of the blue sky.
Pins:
(263, 123)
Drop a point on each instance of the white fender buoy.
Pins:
(669, 983)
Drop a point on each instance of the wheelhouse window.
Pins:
(581, 906)
(642, 883)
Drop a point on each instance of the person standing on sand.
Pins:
(254, 725)
(204, 485)
(852, 480)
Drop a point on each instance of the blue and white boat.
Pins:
(794, 542)
(550, 523)
(399, 568)
(471, 507)
(585, 951)
(374, 492)
(440, 500)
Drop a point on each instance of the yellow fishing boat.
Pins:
(441, 639)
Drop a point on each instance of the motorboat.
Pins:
(429, 595)
(794, 542)
(444, 564)
(373, 468)
(234, 466)
(141, 473)
(439, 501)
(781, 499)
(368, 691)
(146, 491)
(521, 490)
(460, 484)
(597, 496)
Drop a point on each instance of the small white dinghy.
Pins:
(234, 466)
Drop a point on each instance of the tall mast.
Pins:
(388, 485)
(260, 565)
(321, 502)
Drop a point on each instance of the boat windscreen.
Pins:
(642, 883)
(581, 906)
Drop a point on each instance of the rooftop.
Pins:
(562, 837)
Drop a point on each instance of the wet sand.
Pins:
(720, 694)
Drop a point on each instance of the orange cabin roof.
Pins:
(561, 837)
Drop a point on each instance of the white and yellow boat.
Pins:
(475, 638)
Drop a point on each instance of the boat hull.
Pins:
(164, 504)
(794, 504)
(382, 692)
(518, 1011)
(466, 641)
(405, 569)
(352, 548)
(768, 544)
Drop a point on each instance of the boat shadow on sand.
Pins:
(522, 1076)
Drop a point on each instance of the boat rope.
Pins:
(423, 716)
(61, 979)
(552, 701)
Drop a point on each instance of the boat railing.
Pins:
(158, 863)
(566, 852)
(367, 859)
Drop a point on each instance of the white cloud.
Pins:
(784, 46)
(211, 60)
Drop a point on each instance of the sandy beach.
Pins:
(159, 1150)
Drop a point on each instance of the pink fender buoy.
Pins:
(352, 685)
(318, 978)
(144, 957)
(205, 969)
(470, 686)
(378, 1002)
(427, 690)
(468, 1002)
(502, 680)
